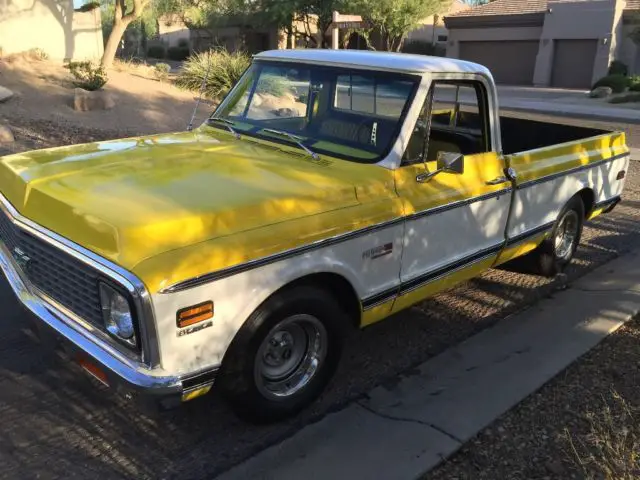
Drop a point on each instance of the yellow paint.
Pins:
(198, 392)
(154, 205)
(444, 283)
(520, 249)
(377, 313)
(559, 158)
(595, 213)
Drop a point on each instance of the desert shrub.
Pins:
(156, 51)
(618, 68)
(183, 43)
(617, 83)
(423, 47)
(88, 75)
(224, 69)
(161, 71)
(37, 54)
(626, 98)
(178, 53)
(611, 449)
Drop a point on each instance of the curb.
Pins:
(403, 430)
(579, 116)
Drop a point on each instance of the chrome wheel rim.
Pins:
(566, 234)
(290, 356)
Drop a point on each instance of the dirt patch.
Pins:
(583, 424)
(44, 97)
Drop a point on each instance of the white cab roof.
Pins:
(401, 62)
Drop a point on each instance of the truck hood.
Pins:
(131, 199)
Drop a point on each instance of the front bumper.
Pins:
(127, 375)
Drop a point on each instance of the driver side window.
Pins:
(453, 119)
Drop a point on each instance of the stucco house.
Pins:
(432, 28)
(52, 26)
(557, 43)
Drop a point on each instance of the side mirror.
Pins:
(450, 162)
(446, 162)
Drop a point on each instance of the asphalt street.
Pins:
(56, 423)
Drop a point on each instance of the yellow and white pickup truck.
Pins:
(329, 190)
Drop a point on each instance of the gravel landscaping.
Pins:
(585, 423)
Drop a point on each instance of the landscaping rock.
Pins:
(600, 92)
(85, 101)
(6, 135)
(5, 94)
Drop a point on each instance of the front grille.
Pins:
(65, 279)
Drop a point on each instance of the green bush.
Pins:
(634, 83)
(423, 47)
(271, 84)
(618, 68)
(626, 98)
(617, 83)
(88, 75)
(156, 51)
(38, 54)
(224, 69)
(178, 53)
(87, 7)
(161, 71)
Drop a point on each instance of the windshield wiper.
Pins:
(227, 123)
(295, 139)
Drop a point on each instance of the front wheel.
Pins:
(555, 253)
(284, 355)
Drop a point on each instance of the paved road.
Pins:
(55, 423)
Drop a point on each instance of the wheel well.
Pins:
(588, 200)
(339, 287)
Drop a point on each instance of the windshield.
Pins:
(342, 112)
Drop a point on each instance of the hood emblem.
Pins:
(21, 258)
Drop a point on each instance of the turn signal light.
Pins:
(93, 370)
(195, 314)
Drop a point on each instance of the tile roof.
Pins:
(517, 7)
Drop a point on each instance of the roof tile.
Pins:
(516, 7)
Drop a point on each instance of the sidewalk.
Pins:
(402, 430)
(567, 103)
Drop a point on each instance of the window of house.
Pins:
(442, 38)
(453, 119)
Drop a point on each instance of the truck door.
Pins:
(455, 222)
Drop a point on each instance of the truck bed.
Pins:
(521, 135)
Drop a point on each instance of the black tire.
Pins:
(241, 381)
(551, 260)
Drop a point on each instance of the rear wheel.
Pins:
(555, 253)
(284, 355)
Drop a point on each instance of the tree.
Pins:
(124, 13)
(394, 19)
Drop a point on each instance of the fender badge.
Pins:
(194, 329)
(377, 252)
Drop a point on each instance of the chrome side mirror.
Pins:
(447, 162)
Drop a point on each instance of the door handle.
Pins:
(498, 181)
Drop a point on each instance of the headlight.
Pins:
(116, 312)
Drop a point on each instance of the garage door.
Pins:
(573, 63)
(510, 62)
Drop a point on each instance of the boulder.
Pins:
(600, 92)
(5, 94)
(6, 136)
(85, 101)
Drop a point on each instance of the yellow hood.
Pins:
(129, 200)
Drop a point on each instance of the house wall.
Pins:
(171, 31)
(51, 25)
(628, 51)
(598, 19)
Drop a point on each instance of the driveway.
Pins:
(56, 423)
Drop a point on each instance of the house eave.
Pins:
(492, 21)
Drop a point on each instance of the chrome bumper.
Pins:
(125, 374)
